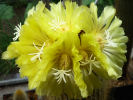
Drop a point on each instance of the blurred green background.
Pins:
(12, 12)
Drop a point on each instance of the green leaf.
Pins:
(55, 1)
(87, 2)
(5, 39)
(23, 1)
(6, 12)
(101, 2)
(5, 65)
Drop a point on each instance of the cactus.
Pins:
(20, 95)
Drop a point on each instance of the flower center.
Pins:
(57, 23)
(84, 55)
(100, 39)
(64, 61)
(64, 28)
(89, 60)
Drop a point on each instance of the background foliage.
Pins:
(12, 12)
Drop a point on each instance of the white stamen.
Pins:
(56, 23)
(109, 39)
(38, 54)
(92, 61)
(60, 75)
(17, 33)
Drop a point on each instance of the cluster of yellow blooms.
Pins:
(68, 49)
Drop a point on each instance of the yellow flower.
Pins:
(68, 49)
(111, 38)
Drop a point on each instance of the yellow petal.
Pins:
(78, 76)
(11, 52)
(106, 17)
